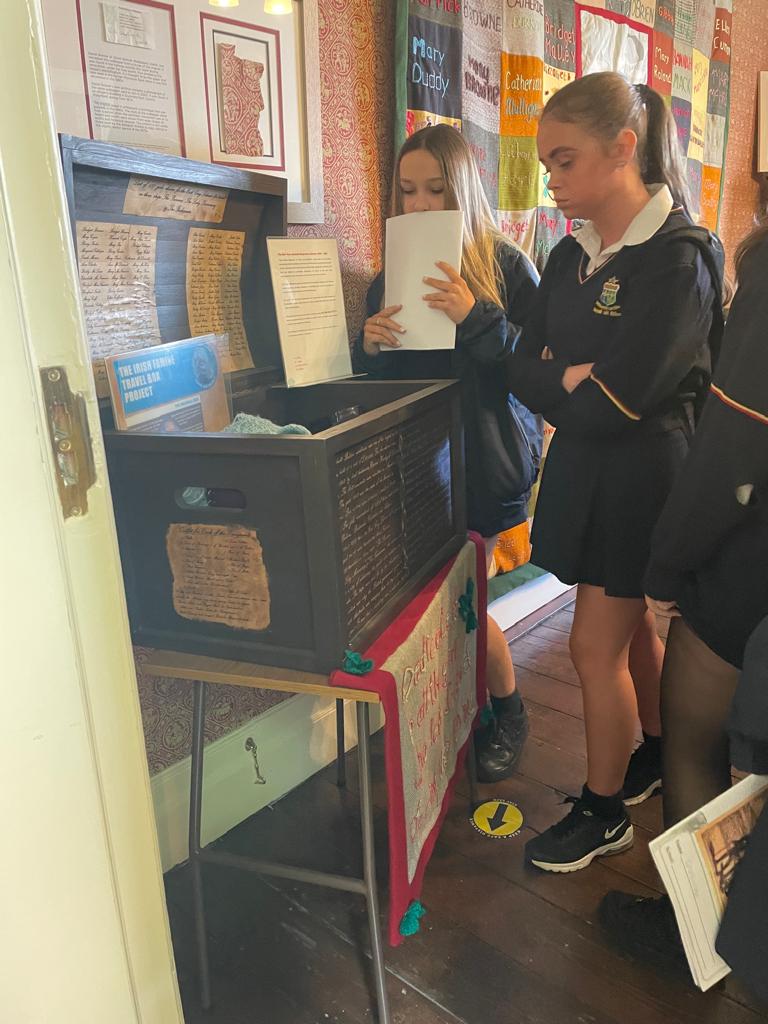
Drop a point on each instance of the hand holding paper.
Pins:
(382, 329)
(415, 244)
(452, 296)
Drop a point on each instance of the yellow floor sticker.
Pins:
(498, 819)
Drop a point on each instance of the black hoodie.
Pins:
(502, 439)
(709, 551)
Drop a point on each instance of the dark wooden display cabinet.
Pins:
(351, 521)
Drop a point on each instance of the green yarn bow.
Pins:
(411, 922)
(466, 609)
(356, 665)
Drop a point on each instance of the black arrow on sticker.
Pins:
(497, 820)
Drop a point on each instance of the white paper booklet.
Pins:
(310, 309)
(696, 859)
(414, 244)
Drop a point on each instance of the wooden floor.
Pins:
(501, 944)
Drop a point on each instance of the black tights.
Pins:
(697, 688)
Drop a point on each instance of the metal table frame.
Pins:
(201, 672)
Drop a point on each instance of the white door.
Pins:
(83, 935)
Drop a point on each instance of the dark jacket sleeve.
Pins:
(489, 333)
(664, 333)
(537, 382)
(378, 366)
(727, 467)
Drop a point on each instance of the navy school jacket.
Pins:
(653, 358)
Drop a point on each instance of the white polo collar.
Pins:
(642, 227)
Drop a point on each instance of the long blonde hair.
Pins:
(605, 103)
(463, 191)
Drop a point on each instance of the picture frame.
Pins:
(131, 72)
(244, 68)
(136, 40)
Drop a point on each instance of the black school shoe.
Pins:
(643, 928)
(499, 745)
(643, 778)
(574, 842)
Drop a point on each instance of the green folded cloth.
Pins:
(244, 423)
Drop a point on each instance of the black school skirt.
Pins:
(599, 502)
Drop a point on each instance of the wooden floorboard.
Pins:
(562, 620)
(540, 656)
(540, 615)
(549, 691)
(501, 943)
(273, 962)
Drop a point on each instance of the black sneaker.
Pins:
(643, 928)
(499, 745)
(643, 778)
(574, 842)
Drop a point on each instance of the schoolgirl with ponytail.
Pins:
(617, 355)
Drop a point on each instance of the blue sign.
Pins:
(146, 381)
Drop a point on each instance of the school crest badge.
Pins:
(608, 303)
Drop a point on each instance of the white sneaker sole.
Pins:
(602, 851)
(633, 801)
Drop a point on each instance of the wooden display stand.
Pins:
(201, 672)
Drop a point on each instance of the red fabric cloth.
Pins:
(402, 890)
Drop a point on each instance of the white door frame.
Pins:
(85, 936)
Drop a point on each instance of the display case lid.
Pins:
(171, 248)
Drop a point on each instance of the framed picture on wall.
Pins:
(130, 73)
(262, 100)
(244, 93)
(175, 76)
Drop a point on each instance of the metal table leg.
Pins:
(341, 753)
(369, 861)
(472, 773)
(365, 885)
(195, 815)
